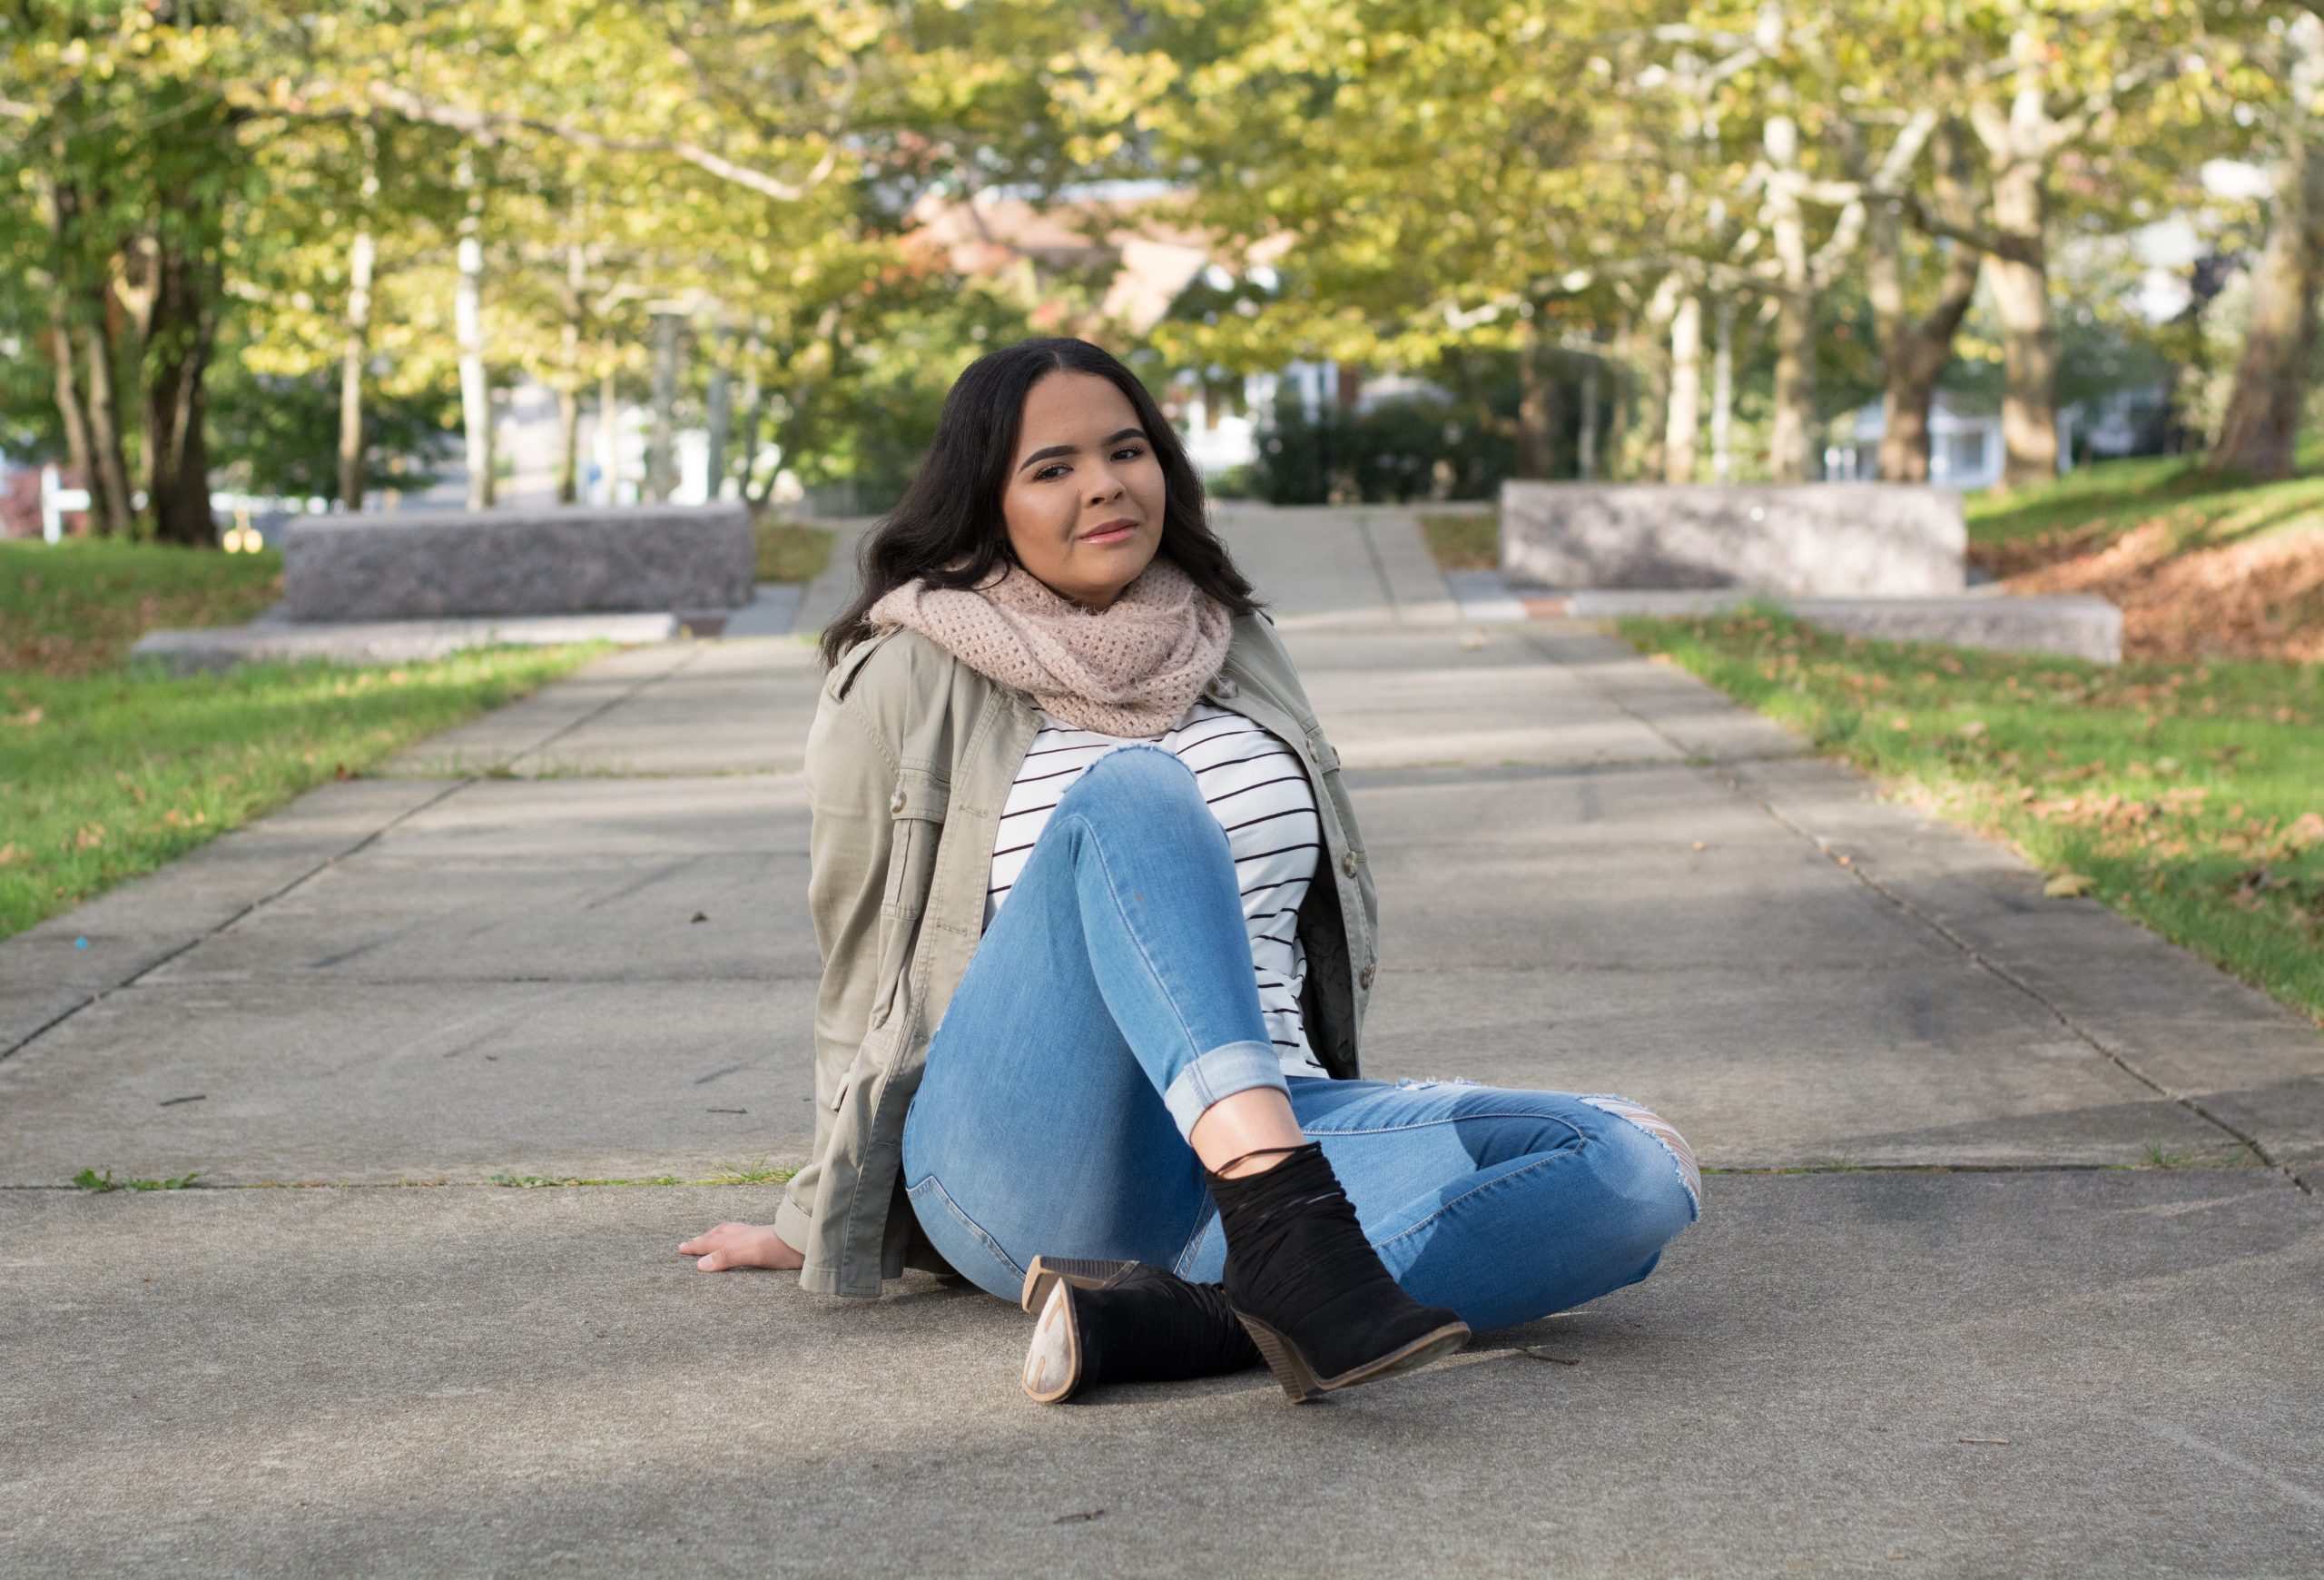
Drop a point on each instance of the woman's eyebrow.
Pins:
(1053, 451)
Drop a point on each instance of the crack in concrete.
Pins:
(2000, 972)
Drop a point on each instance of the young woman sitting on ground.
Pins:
(1098, 934)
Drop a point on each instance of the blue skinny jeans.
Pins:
(1111, 1001)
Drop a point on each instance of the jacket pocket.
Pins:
(916, 811)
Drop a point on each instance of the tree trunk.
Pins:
(1649, 417)
(467, 313)
(67, 385)
(1792, 434)
(1685, 419)
(661, 447)
(355, 347)
(721, 416)
(610, 435)
(1533, 401)
(747, 453)
(1585, 449)
(568, 444)
(1915, 352)
(115, 511)
(1622, 405)
(568, 388)
(2259, 433)
(1918, 352)
(180, 336)
(355, 344)
(1722, 396)
(2029, 337)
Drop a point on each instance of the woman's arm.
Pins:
(850, 773)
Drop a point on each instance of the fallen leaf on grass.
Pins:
(24, 720)
(2306, 829)
(2066, 886)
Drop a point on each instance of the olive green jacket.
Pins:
(908, 763)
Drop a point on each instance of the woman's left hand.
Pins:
(742, 1245)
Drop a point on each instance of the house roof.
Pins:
(991, 235)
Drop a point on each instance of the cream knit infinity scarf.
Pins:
(1131, 670)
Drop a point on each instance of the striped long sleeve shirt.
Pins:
(1257, 789)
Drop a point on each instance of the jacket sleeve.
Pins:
(850, 773)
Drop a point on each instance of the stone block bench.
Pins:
(1807, 539)
(562, 560)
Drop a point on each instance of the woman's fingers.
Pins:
(739, 1245)
(709, 1239)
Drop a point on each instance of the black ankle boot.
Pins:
(1107, 1322)
(1324, 1310)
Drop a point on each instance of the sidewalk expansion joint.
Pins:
(2000, 972)
(736, 1180)
(135, 978)
(606, 707)
(1379, 571)
(329, 862)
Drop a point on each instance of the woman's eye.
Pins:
(1131, 452)
(1048, 472)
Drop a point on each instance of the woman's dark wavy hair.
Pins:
(952, 506)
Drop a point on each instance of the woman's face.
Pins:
(1085, 495)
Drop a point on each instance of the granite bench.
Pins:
(1806, 539)
(561, 560)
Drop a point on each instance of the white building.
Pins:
(1965, 444)
(1965, 448)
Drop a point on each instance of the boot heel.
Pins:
(1082, 1272)
(1283, 1358)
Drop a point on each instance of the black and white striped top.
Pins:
(1258, 791)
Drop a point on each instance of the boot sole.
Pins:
(1053, 1360)
(1081, 1272)
(1300, 1382)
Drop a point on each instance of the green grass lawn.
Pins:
(108, 770)
(2103, 500)
(1463, 539)
(74, 608)
(2188, 796)
(789, 552)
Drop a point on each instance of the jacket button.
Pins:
(1223, 685)
(1347, 864)
(896, 802)
(1364, 976)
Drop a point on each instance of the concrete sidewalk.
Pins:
(2006, 1267)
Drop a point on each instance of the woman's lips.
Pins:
(1113, 533)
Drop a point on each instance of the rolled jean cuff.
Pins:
(1221, 1074)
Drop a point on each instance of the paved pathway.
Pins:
(1943, 1316)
